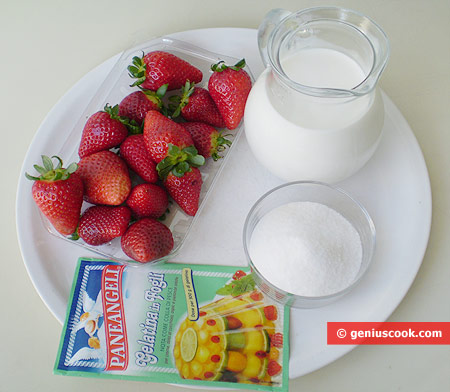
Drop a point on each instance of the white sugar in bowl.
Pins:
(308, 243)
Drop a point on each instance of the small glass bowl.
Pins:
(318, 192)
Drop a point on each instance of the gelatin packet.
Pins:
(187, 324)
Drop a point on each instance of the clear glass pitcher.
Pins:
(316, 113)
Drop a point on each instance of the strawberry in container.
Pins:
(58, 192)
(159, 67)
(137, 104)
(147, 239)
(132, 157)
(172, 147)
(105, 177)
(195, 104)
(208, 141)
(229, 87)
(101, 224)
(138, 159)
(104, 130)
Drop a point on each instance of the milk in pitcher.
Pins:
(316, 113)
(298, 136)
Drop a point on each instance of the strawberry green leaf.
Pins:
(221, 141)
(165, 111)
(137, 70)
(136, 60)
(32, 178)
(138, 82)
(180, 168)
(165, 163)
(186, 92)
(40, 169)
(74, 236)
(239, 65)
(221, 66)
(174, 110)
(49, 173)
(187, 89)
(174, 99)
(133, 127)
(165, 166)
(196, 160)
(134, 70)
(60, 162)
(193, 157)
(156, 96)
(162, 90)
(179, 161)
(191, 150)
(48, 164)
(173, 150)
(71, 168)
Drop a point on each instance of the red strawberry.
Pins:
(238, 275)
(101, 224)
(229, 87)
(172, 146)
(136, 105)
(196, 104)
(270, 312)
(273, 368)
(185, 190)
(160, 131)
(58, 193)
(276, 340)
(148, 200)
(105, 177)
(138, 159)
(158, 68)
(256, 296)
(147, 240)
(233, 322)
(207, 140)
(104, 130)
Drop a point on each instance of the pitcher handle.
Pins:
(266, 27)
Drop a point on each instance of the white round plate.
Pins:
(394, 187)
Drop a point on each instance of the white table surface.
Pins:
(48, 45)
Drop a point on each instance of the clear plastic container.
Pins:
(115, 87)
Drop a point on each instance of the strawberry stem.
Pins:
(179, 161)
(221, 66)
(156, 96)
(133, 127)
(50, 173)
(219, 145)
(137, 70)
(74, 236)
(177, 103)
